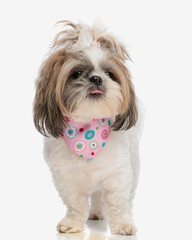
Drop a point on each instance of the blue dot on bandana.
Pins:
(89, 134)
(70, 131)
(109, 122)
(103, 145)
(89, 160)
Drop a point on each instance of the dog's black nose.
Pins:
(96, 80)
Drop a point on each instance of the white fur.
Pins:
(114, 171)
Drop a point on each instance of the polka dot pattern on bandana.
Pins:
(87, 140)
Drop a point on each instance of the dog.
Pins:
(85, 106)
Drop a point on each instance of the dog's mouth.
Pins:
(96, 92)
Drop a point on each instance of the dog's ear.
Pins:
(128, 119)
(48, 105)
(48, 117)
(129, 113)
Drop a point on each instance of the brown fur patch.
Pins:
(48, 117)
(129, 114)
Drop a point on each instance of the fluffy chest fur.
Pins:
(115, 155)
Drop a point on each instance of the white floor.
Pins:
(95, 230)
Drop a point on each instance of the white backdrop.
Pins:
(159, 38)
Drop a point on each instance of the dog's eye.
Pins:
(111, 75)
(76, 74)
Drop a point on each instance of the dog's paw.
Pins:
(123, 228)
(67, 225)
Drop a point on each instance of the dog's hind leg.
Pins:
(97, 206)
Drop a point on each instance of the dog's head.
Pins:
(84, 77)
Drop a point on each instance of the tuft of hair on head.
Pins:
(68, 36)
(78, 36)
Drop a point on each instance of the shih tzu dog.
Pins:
(86, 108)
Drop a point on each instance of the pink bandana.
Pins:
(87, 140)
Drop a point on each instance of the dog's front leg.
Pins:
(116, 197)
(77, 212)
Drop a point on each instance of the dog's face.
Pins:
(84, 78)
(92, 88)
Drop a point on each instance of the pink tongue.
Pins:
(97, 92)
